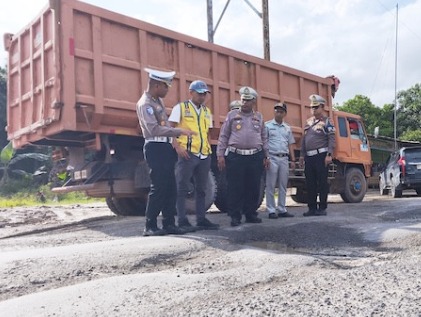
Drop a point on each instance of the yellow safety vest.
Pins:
(197, 144)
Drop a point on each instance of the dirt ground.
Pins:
(81, 260)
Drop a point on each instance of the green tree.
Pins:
(409, 114)
(411, 135)
(386, 121)
(372, 115)
(3, 102)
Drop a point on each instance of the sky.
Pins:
(354, 40)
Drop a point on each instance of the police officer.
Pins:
(281, 147)
(194, 154)
(243, 150)
(235, 104)
(316, 151)
(159, 153)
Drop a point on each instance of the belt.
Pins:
(280, 154)
(243, 152)
(163, 139)
(317, 151)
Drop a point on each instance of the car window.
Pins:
(413, 154)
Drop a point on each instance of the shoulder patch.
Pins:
(149, 110)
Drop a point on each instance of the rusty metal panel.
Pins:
(78, 70)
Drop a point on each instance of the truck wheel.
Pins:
(262, 190)
(127, 206)
(300, 196)
(209, 195)
(355, 186)
(111, 205)
(396, 193)
(222, 192)
(221, 200)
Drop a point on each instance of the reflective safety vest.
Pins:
(196, 144)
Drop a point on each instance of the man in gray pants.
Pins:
(281, 147)
(194, 154)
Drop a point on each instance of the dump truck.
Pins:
(76, 72)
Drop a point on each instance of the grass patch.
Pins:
(43, 196)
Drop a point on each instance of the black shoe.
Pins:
(235, 222)
(320, 212)
(205, 224)
(173, 229)
(285, 215)
(309, 213)
(186, 226)
(153, 232)
(253, 219)
(273, 215)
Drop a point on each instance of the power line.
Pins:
(391, 12)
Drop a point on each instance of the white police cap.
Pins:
(316, 100)
(248, 93)
(235, 104)
(158, 75)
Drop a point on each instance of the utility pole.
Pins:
(264, 16)
(210, 20)
(266, 39)
(396, 79)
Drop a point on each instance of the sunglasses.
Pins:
(315, 107)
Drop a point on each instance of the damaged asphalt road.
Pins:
(362, 260)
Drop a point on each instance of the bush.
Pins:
(14, 186)
(16, 193)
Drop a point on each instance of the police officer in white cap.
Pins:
(243, 150)
(317, 147)
(235, 104)
(159, 153)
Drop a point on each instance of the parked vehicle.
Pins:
(402, 171)
(76, 73)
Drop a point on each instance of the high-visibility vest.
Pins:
(200, 123)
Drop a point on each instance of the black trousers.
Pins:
(244, 174)
(161, 158)
(316, 181)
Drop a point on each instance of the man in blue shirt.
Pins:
(281, 147)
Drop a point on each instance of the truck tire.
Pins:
(127, 206)
(355, 186)
(211, 190)
(221, 200)
(222, 192)
(111, 205)
(300, 196)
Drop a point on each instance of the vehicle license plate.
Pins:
(418, 166)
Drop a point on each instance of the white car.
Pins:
(402, 171)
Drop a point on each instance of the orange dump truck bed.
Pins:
(76, 72)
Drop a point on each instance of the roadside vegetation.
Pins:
(26, 179)
(42, 196)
